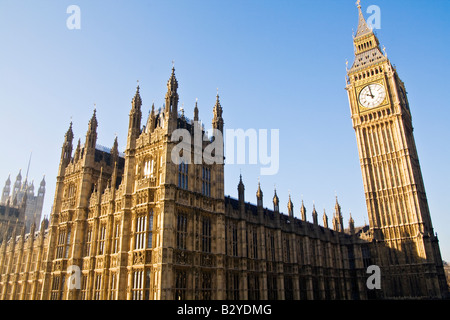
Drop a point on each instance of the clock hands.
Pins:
(370, 90)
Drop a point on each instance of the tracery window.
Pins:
(206, 181)
(183, 177)
(181, 231)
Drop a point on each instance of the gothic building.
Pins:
(141, 226)
(25, 191)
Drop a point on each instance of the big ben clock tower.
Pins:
(405, 246)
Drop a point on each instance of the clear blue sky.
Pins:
(277, 64)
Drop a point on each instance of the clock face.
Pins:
(372, 95)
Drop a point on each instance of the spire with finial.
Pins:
(91, 136)
(338, 216)
(276, 201)
(136, 102)
(171, 107)
(217, 114)
(69, 133)
(259, 195)
(6, 189)
(66, 152)
(366, 45)
(151, 119)
(351, 224)
(325, 219)
(196, 110)
(135, 116)
(241, 189)
(363, 27)
(77, 154)
(172, 84)
(41, 190)
(290, 207)
(303, 211)
(314, 215)
(115, 152)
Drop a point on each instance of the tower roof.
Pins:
(363, 27)
(93, 123)
(43, 181)
(367, 49)
(259, 193)
(69, 133)
(172, 84)
(137, 101)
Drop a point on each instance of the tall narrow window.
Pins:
(234, 240)
(138, 281)
(66, 254)
(61, 244)
(272, 246)
(150, 231)
(140, 231)
(102, 239)
(89, 241)
(181, 231)
(147, 284)
(55, 294)
(206, 181)
(206, 235)
(83, 287)
(206, 286)
(116, 237)
(180, 285)
(183, 176)
(113, 292)
(98, 287)
(255, 245)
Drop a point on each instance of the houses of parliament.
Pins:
(137, 226)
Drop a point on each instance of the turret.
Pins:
(17, 185)
(351, 225)
(196, 110)
(241, 196)
(276, 202)
(338, 220)
(241, 190)
(6, 190)
(151, 120)
(259, 196)
(325, 219)
(290, 207)
(77, 154)
(314, 215)
(114, 152)
(66, 152)
(133, 133)
(303, 211)
(172, 102)
(217, 121)
(91, 135)
(134, 125)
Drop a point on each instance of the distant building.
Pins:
(12, 218)
(33, 204)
